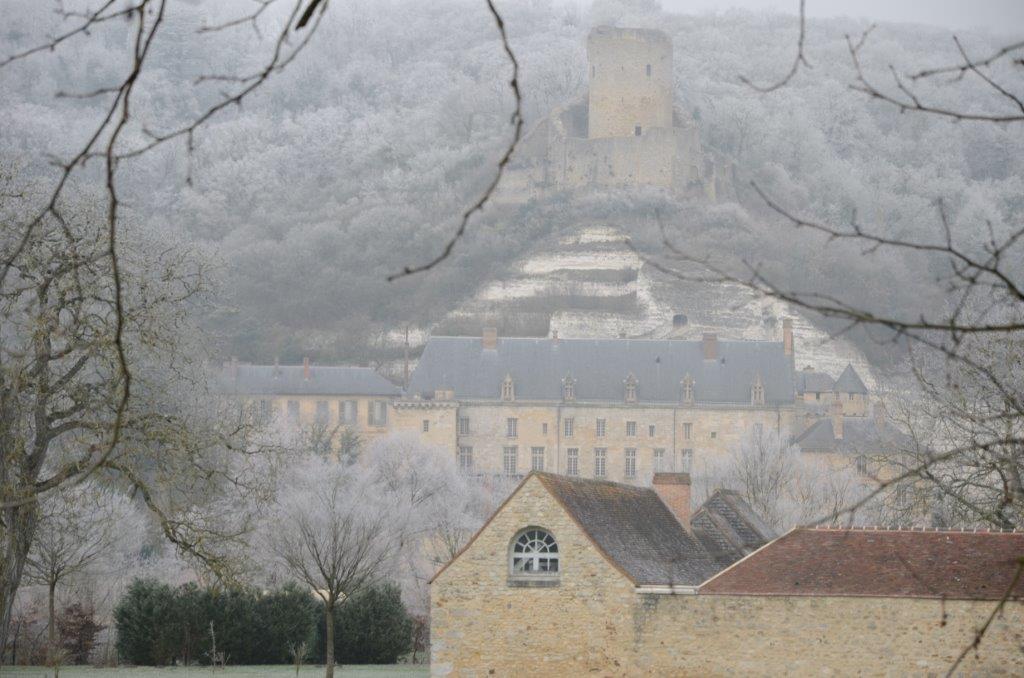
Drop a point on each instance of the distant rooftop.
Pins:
(849, 382)
(728, 528)
(860, 434)
(954, 565)
(302, 380)
(600, 367)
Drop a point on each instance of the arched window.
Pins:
(631, 382)
(534, 552)
(508, 388)
(687, 390)
(757, 391)
(568, 388)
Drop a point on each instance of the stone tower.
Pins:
(630, 81)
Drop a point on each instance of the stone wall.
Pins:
(481, 625)
(630, 81)
(593, 622)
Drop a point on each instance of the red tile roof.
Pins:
(957, 565)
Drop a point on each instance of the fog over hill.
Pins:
(357, 160)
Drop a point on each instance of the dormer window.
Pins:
(508, 388)
(568, 389)
(631, 384)
(687, 390)
(533, 553)
(757, 391)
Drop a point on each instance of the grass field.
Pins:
(397, 671)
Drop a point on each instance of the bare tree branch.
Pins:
(517, 125)
(798, 60)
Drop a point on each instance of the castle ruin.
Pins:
(626, 131)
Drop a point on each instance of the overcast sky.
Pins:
(1000, 16)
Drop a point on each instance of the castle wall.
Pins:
(630, 81)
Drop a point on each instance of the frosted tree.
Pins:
(785, 487)
(79, 528)
(337, 529)
(64, 415)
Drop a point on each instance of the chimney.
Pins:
(710, 346)
(787, 336)
(305, 368)
(674, 491)
(554, 335)
(837, 420)
(233, 367)
(490, 338)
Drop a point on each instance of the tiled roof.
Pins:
(728, 528)
(634, 529)
(877, 562)
(813, 382)
(849, 382)
(290, 380)
(860, 435)
(600, 368)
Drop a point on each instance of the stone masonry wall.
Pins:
(761, 635)
(594, 623)
(480, 625)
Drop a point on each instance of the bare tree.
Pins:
(783, 485)
(337, 530)
(78, 527)
(61, 386)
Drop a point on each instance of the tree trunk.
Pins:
(51, 633)
(329, 639)
(19, 526)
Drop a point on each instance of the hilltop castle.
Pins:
(627, 131)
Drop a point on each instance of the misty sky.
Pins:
(1001, 16)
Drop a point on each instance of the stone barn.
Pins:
(573, 576)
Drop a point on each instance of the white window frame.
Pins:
(537, 458)
(465, 458)
(533, 553)
(510, 460)
(572, 461)
(600, 462)
(630, 470)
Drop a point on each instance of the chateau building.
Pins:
(616, 409)
(334, 397)
(572, 577)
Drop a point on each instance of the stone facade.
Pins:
(594, 621)
(687, 437)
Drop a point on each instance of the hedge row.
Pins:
(158, 625)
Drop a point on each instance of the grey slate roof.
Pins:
(849, 382)
(600, 368)
(290, 380)
(634, 529)
(728, 528)
(860, 435)
(813, 382)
